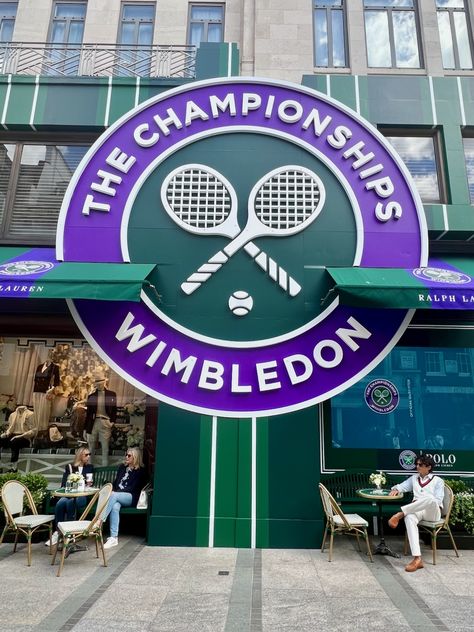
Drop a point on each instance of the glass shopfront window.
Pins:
(417, 400)
(55, 380)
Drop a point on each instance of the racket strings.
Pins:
(287, 199)
(198, 198)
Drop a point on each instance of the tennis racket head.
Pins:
(200, 200)
(286, 200)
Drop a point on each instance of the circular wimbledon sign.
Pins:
(241, 191)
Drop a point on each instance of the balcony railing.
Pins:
(97, 60)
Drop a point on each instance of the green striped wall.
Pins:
(265, 474)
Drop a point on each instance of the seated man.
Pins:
(428, 494)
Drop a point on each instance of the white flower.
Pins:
(75, 478)
(378, 478)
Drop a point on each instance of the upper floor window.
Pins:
(454, 34)
(206, 23)
(7, 20)
(329, 34)
(33, 180)
(469, 158)
(422, 157)
(68, 23)
(136, 26)
(391, 33)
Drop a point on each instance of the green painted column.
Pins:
(236, 482)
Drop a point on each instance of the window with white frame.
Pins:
(7, 20)
(391, 34)
(330, 47)
(464, 364)
(205, 23)
(434, 363)
(421, 156)
(33, 181)
(469, 160)
(455, 34)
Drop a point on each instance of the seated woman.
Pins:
(127, 486)
(66, 507)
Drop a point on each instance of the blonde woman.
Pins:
(66, 507)
(127, 485)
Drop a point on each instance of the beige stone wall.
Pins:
(32, 21)
(283, 39)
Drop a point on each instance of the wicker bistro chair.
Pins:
(339, 522)
(433, 528)
(13, 495)
(72, 531)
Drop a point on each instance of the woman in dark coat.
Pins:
(66, 508)
(127, 486)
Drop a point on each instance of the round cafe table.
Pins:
(380, 496)
(62, 493)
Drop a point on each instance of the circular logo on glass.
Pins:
(23, 268)
(381, 396)
(439, 275)
(407, 459)
(241, 192)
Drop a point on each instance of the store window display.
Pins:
(21, 430)
(63, 375)
(100, 417)
(46, 378)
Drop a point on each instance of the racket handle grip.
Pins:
(203, 273)
(273, 270)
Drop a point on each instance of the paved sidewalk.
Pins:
(234, 590)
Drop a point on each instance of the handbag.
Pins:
(143, 498)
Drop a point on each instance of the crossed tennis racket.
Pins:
(202, 201)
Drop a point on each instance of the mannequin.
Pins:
(100, 416)
(21, 430)
(46, 377)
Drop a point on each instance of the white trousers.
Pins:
(422, 509)
(101, 430)
(42, 408)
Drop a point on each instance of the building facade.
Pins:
(71, 70)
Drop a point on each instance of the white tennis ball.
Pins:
(240, 303)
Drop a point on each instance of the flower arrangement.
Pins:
(135, 437)
(75, 478)
(136, 407)
(378, 479)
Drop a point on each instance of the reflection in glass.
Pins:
(418, 154)
(391, 34)
(433, 411)
(329, 34)
(404, 31)
(39, 187)
(378, 40)
(462, 40)
(454, 34)
(469, 158)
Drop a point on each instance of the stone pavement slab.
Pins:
(165, 589)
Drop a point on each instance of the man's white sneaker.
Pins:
(54, 539)
(111, 542)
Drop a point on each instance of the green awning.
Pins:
(443, 284)
(35, 273)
